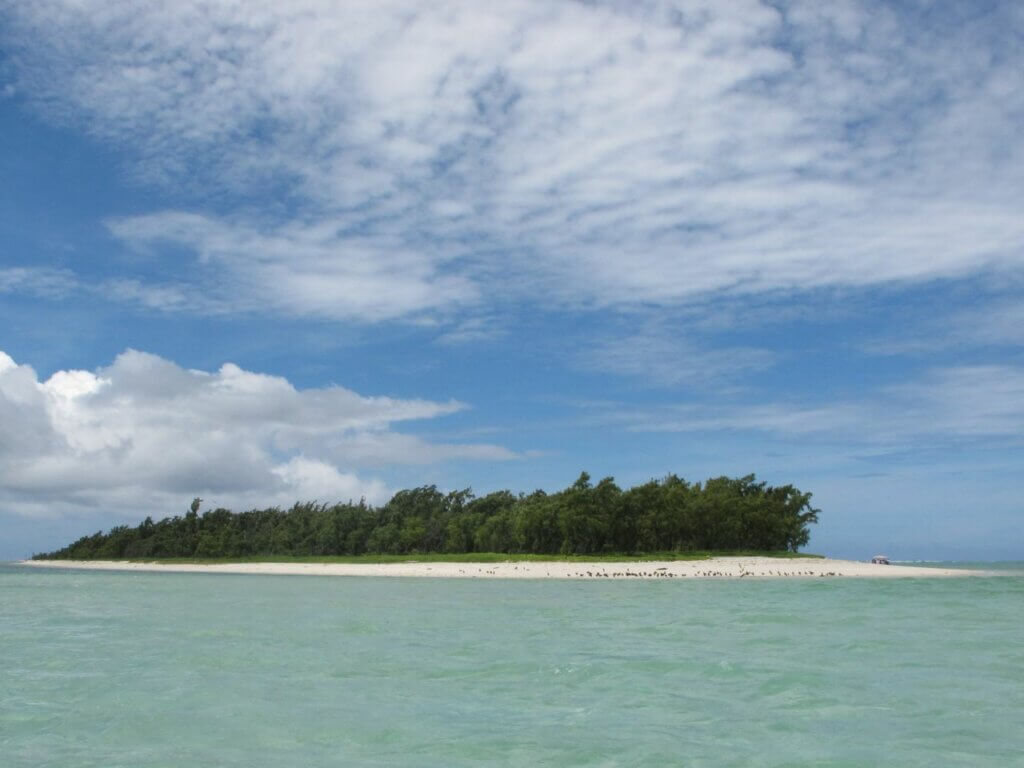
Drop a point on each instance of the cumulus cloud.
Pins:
(144, 433)
(580, 154)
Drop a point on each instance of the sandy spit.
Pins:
(715, 568)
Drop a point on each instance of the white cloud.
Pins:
(309, 479)
(999, 323)
(144, 433)
(38, 281)
(660, 358)
(473, 330)
(298, 269)
(385, 160)
(994, 323)
(946, 404)
(968, 401)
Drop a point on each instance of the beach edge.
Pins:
(737, 567)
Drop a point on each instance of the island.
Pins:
(663, 529)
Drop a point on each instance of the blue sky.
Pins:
(261, 252)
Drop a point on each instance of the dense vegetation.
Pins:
(662, 515)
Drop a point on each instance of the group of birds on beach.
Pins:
(664, 573)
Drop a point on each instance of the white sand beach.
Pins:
(714, 568)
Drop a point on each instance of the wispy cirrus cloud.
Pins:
(956, 403)
(314, 270)
(378, 161)
(996, 322)
(44, 282)
(662, 359)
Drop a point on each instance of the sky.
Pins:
(264, 252)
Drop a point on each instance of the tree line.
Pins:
(664, 515)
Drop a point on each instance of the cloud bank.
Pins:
(144, 435)
(386, 160)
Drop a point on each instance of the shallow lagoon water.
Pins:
(156, 669)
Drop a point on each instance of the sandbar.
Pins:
(713, 568)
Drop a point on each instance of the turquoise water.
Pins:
(141, 669)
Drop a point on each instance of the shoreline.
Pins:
(713, 568)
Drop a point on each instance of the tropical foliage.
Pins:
(662, 515)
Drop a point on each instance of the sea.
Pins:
(111, 669)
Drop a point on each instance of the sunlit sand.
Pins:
(714, 568)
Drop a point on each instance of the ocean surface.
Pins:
(177, 670)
